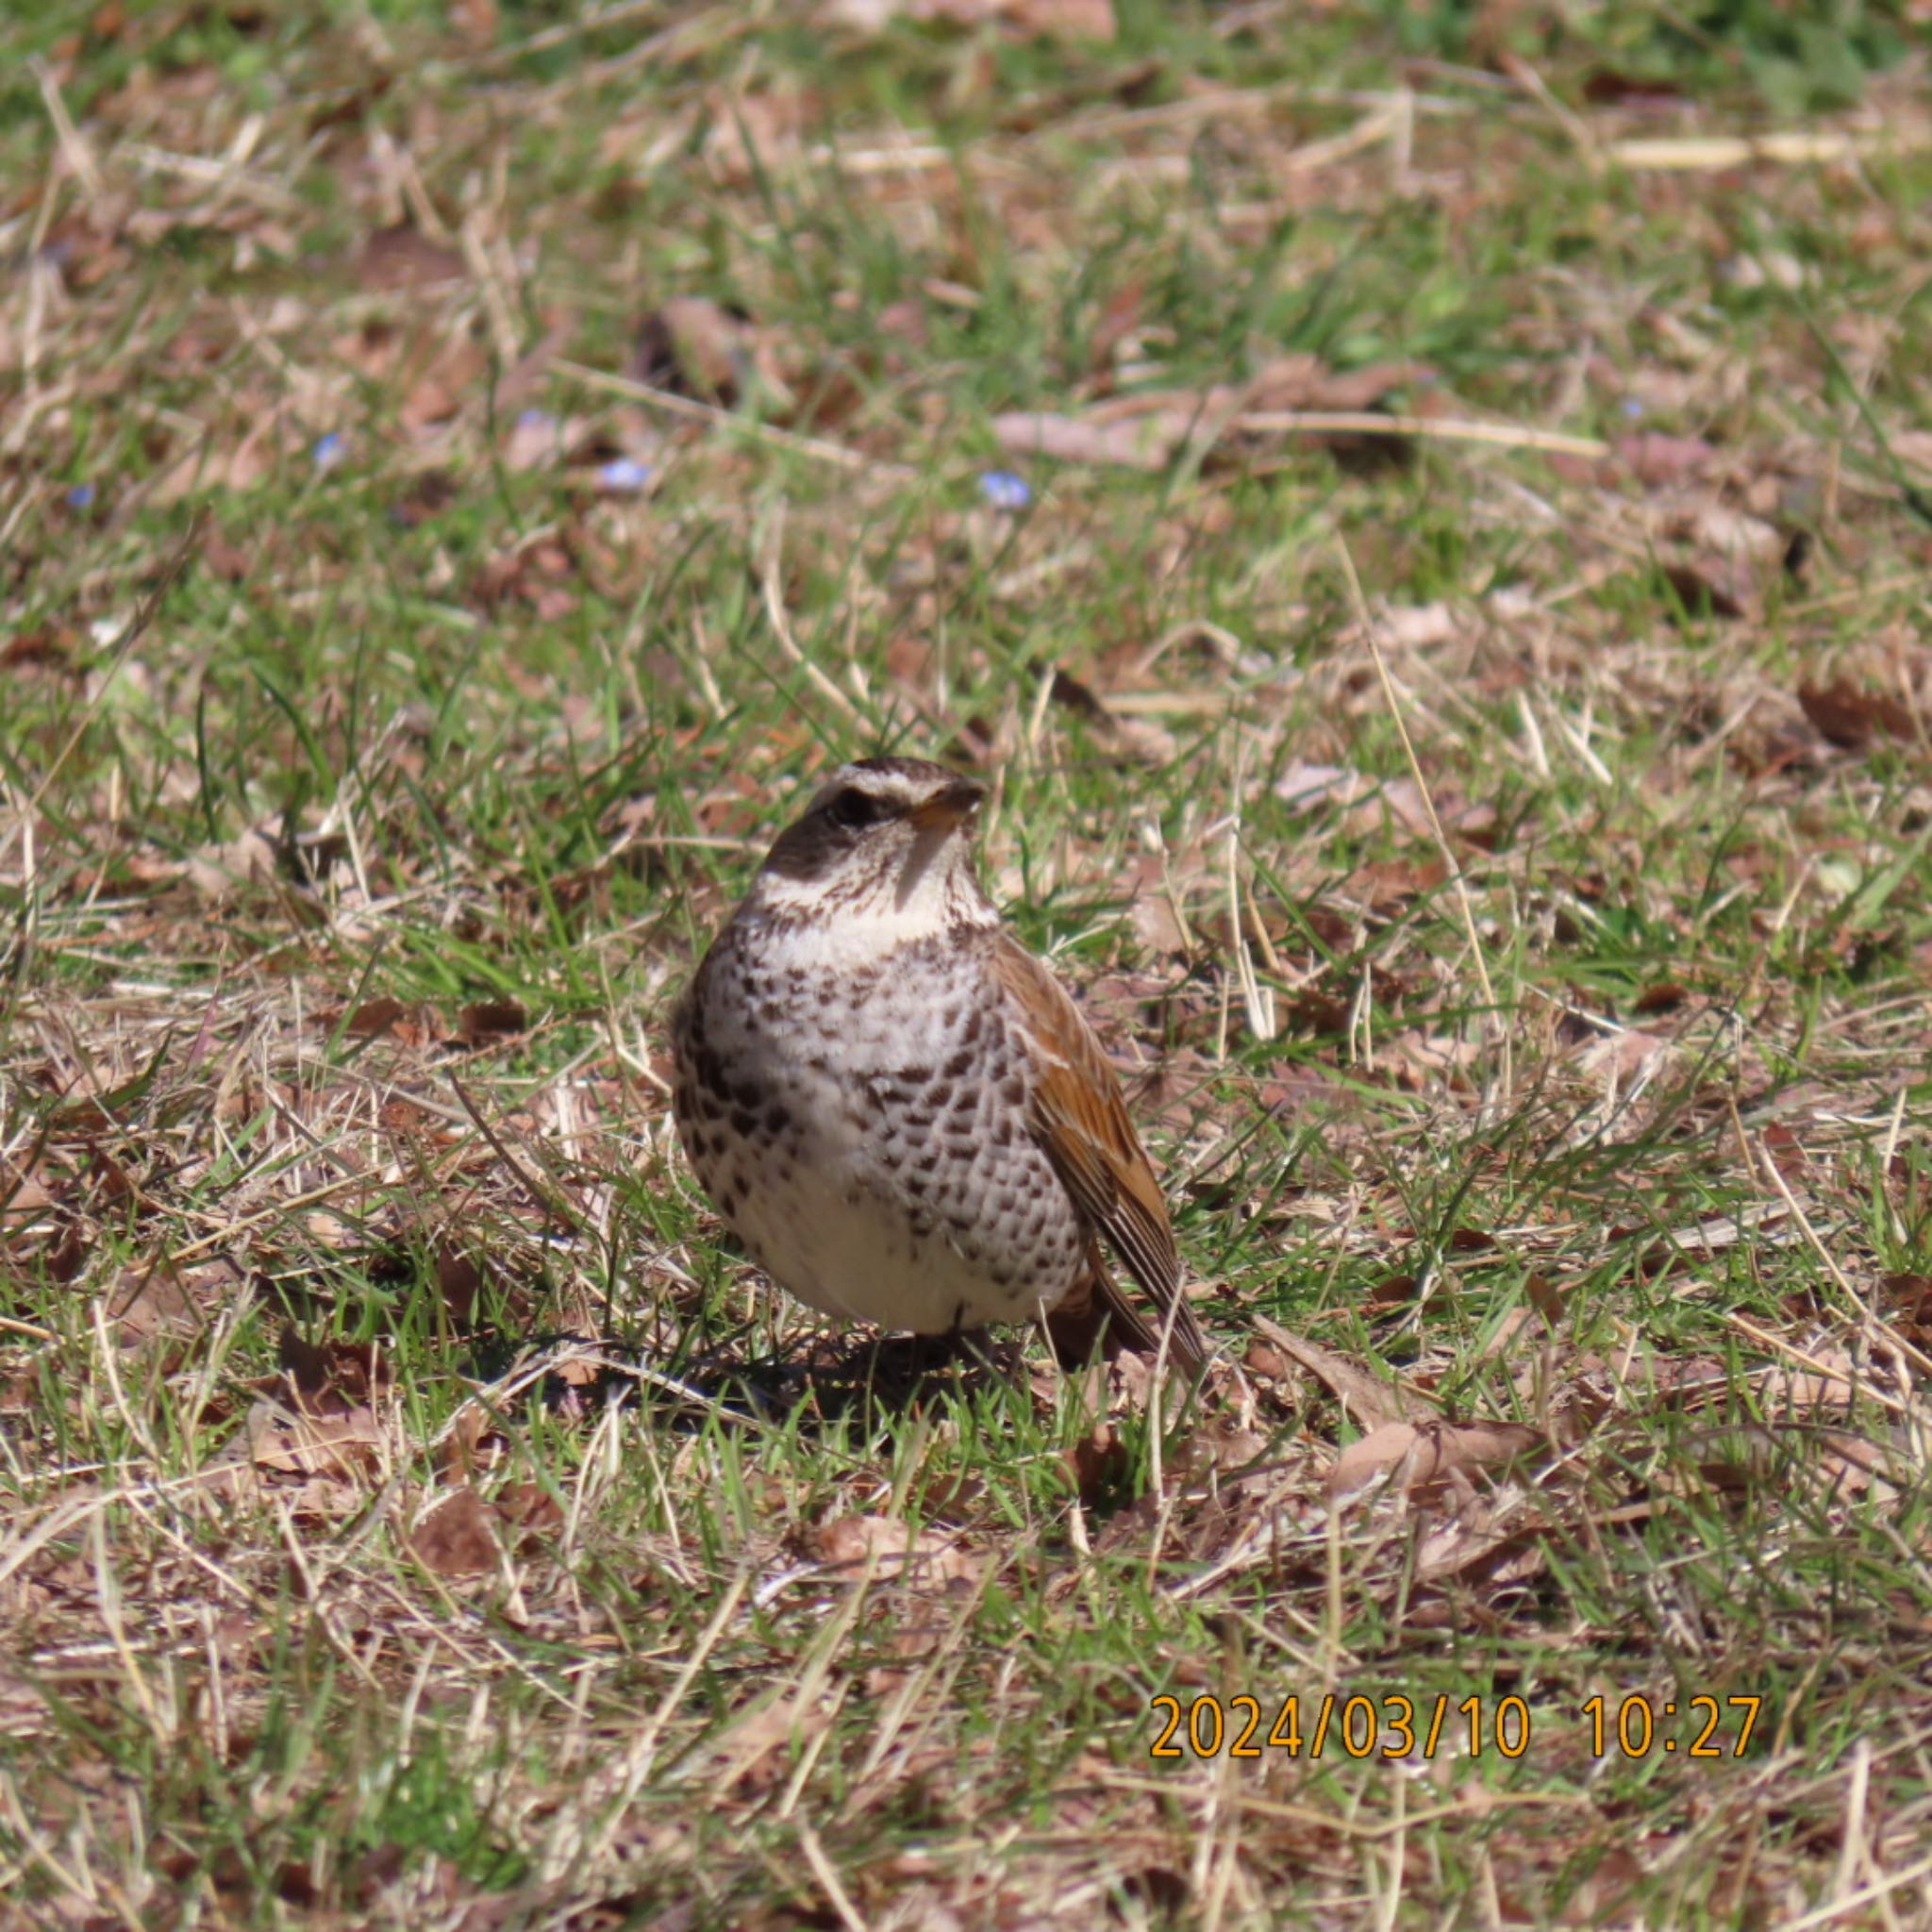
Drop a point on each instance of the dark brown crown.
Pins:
(882, 804)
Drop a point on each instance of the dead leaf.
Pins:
(1097, 1463)
(1486, 1559)
(1421, 1456)
(1723, 531)
(1156, 927)
(1365, 1395)
(216, 872)
(1854, 718)
(1416, 626)
(488, 1020)
(1134, 737)
(152, 1301)
(1420, 1057)
(1722, 587)
(1303, 787)
(1625, 1054)
(1665, 996)
(1306, 382)
(331, 1377)
(404, 258)
(1147, 442)
(1402, 801)
(457, 373)
(1025, 20)
(459, 1278)
(51, 646)
(530, 1509)
(390, 1018)
(475, 22)
(537, 440)
(456, 1538)
(1852, 1465)
(1077, 20)
(338, 1447)
(695, 347)
(1547, 1298)
(27, 1203)
(1906, 1303)
(847, 1541)
(1653, 457)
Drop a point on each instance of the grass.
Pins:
(414, 1510)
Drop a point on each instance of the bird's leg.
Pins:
(959, 1343)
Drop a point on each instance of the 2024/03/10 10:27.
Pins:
(1394, 1726)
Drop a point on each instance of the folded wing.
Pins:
(1081, 1122)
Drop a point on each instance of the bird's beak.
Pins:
(950, 807)
(934, 823)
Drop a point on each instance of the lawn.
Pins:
(1422, 517)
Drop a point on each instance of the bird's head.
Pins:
(886, 846)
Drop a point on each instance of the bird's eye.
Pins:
(854, 808)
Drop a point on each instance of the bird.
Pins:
(897, 1108)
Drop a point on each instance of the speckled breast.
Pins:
(863, 1131)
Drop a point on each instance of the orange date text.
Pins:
(1337, 1725)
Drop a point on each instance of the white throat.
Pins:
(863, 930)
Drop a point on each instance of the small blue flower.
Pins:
(1633, 406)
(624, 475)
(329, 450)
(1005, 490)
(536, 419)
(81, 496)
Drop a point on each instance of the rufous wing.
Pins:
(1081, 1122)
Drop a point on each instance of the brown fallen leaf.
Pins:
(1025, 19)
(335, 1447)
(1306, 382)
(1548, 1298)
(217, 872)
(1097, 1463)
(1365, 1395)
(1653, 457)
(1720, 586)
(1905, 1302)
(475, 22)
(459, 1278)
(1075, 20)
(1421, 1057)
(456, 1536)
(1852, 1465)
(1421, 1456)
(488, 1020)
(530, 1511)
(1303, 787)
(457, 373)
(1156, 926)
(847, 1541)
(1623, 1052)
(1664, 997)
(404, 258)
(394, 1018)
(694, 346)
(55, 647)
(202, 468)
(148, 1302)
(27, 1203)
(1135, 738)
(331, 1377)
(1490, 1561)
(1854, 718)
(1144, 442)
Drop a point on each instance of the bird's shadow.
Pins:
(822, 1381)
